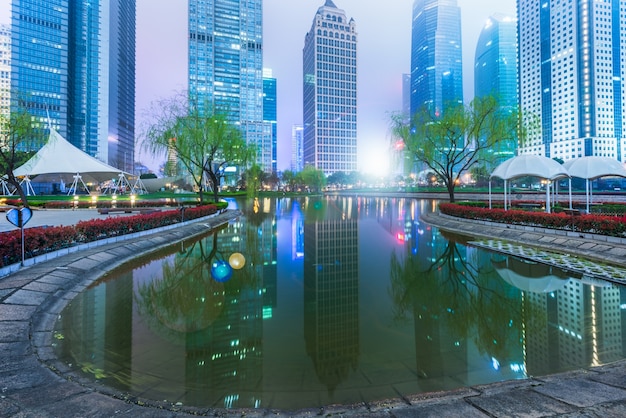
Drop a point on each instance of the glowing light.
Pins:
(237, 261)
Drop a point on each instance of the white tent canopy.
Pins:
(59, 160)
(530, 276)
(593, 167)
(529, 165)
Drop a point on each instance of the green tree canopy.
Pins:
(452, 143)
(20, 135)
(204, 142)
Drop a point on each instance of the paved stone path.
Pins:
(33, 383)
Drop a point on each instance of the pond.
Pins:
(339, 300)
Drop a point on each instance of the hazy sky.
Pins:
(383, 55)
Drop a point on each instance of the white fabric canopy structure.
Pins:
(529, 165)
(530, 276)
(591, 168)
(58, 160)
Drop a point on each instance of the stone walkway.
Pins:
(33, 383)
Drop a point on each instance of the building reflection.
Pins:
(331, 289)
(168, 328)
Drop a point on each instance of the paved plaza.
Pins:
(33, 383)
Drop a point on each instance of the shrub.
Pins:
(45, 239)
(597, 224)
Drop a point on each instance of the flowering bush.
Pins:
(45, 239)
(597, 224)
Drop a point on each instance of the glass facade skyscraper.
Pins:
(270, 117)
(225, 68)
(119, 87)
(74, 64)
(329, 92)
(436, 55)
(495, 72)
(571, 77)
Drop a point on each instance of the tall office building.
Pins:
(571, 71)
(329, 91)
(118, 56)
(495, 72)
(5, 68)
(436, 55)
(297, 148)
(270, 117)
(74, 64)
(225, 69)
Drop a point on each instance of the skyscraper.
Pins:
(329, 91)
(74, 63)
(495, 72)
(571, 77)
(297, 147)
(225, 69)
(436, 55)
(118, 26)
(270, 117)
(5, 68)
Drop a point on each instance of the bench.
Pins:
(142, 211)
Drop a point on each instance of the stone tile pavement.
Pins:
(33, 383)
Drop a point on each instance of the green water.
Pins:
(340, 300)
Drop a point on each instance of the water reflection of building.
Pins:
(297, 232)
(331, 296)
(578, 324)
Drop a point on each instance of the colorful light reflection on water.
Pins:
(340, 300)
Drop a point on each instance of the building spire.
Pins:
(329, 3)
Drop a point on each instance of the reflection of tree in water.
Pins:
(450, 301)
(185, 298)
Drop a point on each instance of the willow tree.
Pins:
(204, 142)
(19, 134)
(451, 143)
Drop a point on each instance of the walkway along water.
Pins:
(33, 383)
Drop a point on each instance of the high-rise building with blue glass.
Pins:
(495, 72)
(118, 55)
(73, 64)
(329, 92)
(225, 68)
(270, 118)
(436, 56)
(571, 75)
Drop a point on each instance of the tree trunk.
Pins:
(13, 181)
(451, 191)
(215, 183)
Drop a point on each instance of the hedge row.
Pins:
(595, 224)
(41, 240)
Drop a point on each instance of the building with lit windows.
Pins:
(436, 55)
(270, 116)
(329, 91)
(74, 62)
(5, 68)
(225, 68)
(571, 77)
(297, 144)
(495, 72)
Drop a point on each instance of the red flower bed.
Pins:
(41, 240)
(596, 224)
